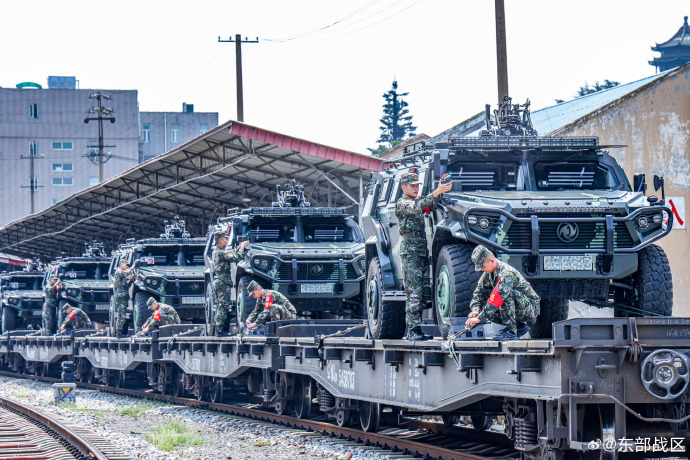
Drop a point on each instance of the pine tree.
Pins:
(397, 124)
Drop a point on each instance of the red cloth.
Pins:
(269, 301)
(495, 297)
(427, 210)
(71, 316)
(157, 315)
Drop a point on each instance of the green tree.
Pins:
(396, 121)
(595, 88)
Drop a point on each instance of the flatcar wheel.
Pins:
(215, 389)
(602, 427)
(481, 422)
(369, 416)
(163, 383)
(201, 384)
(343, 417)
(91, 375)
(450, 419)
(83, 370)
(119, 379)
(42, 369)
(303, 396)
(178, 384)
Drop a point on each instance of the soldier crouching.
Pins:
(163, 314)
(270, 306)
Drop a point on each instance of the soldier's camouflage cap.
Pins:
(410, 178)
(66, 306)
(253, 285)
(479, 254)
(218, 234)
(150, 302)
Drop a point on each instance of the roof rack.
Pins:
(520, 142)
(405, 162)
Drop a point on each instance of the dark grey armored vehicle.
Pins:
(85, 282)
(171, 269)
(22, 299)
(558, 209)
(312, 255)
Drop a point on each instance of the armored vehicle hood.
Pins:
(174, 272)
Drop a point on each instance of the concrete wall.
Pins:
(654, 123)
(160, 124)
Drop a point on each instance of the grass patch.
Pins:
(172, 434)
(21, 394)
(261, 444)
(133, 411)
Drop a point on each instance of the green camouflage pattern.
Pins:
(121, 298)
(272, 306)
(410, 178)
(50, 306)
(222, 282)
(414, 255)
(479, 255)
(77, 320)
(520, 302)
(168, 315)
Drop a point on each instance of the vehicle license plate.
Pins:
(579, 263)
(193, 300)
(102, 307)
(318, 288)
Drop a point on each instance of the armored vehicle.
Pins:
(171, 269)
(312, 255)
(558, 209)
(22, 298)
(85, 282)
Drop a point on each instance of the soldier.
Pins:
(413, 248)
(270, 306)
(502, 296)
(50, 305)
(162, 315)
(121, 280)
(222, 282)
(76, 319)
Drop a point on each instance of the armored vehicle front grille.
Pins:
(35, 304)
(101, 297)
(310, 272)
(591, 235)
(195, 288)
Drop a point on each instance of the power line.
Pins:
(103, 113)
(33, 182)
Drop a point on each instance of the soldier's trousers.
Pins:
(120, 313)
(276, 313)
(415, 268)
(516, 308)
(223, 294)
(49, 321)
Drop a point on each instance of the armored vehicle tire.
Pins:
(111, 315)
(455, 281)
(550, 311)
(386, 318)
(61, 313)
(245, 302)
(141, 311)
(653, 283)
(210, 312)
(9, 319)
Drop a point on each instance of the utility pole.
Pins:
(238, 67)
(33, 182)
(102, 114)
(501, 51)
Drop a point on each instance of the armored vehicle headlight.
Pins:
(154, 282)
(363, 263)
(484, 223)
(643, 222)
(72, 292)
(264, 264)
(257, 262)
(472, 220)
(658, 218)
(14, 300)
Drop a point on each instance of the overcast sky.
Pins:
(321, 67)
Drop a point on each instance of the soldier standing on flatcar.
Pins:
(50, 305)
(121, 280)
(222, 282)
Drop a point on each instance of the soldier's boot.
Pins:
(416, 334)
(220, 334)
(522, 329)
(506, 334)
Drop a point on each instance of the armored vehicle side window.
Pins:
(385, 190)
(583, 175)
(194, 256)
(397, 191)
(172, 255)
(84, 271)
(322, 233)
(468, 177)
(22, 283)
(272, 233)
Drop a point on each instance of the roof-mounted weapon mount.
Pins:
(176, 228)
(94, 249)
(291, 197)
(509, 120)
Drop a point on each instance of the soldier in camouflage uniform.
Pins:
(222, 282)
(270, 306)
(75, 319)
(502, 296)
(414, 256)
(50, 305)
(163, 314)
(121, 281)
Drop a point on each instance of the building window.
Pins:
(33, 148)
(63, 181)
(174, 133)
(146, 133)
(61, 145)
(203, 128)
(33, 110)
(93, 181)
(62, 166)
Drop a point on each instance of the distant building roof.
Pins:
(399, 150)
(675, 51)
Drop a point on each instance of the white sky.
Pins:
(327, 86)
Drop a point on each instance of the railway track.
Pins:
(406, 437)
(26, 433)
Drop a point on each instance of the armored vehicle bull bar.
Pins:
(295, 271)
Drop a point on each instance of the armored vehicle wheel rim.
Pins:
(369, 416)
(373, 302)
(443, 294)
(303, 396)
(215, 389)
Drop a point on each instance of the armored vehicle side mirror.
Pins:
(659, 184)
(639, 183)
(440, 162)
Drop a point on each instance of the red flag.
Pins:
(427, 210)
(71, 316)
(495, 297)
